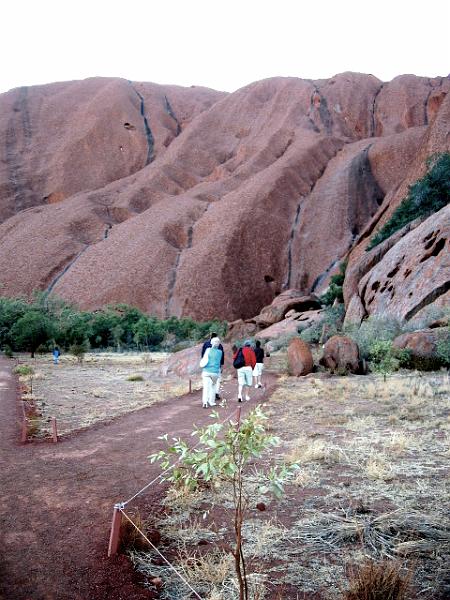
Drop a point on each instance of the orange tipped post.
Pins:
(114, 537)
(54, 430)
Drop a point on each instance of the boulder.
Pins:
(422, 346)
(185, 363)
(341, 353)
(288, 303)
(240, 329)
(300, 359)
(285, 328)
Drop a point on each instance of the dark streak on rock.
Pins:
(170, 112)
(429, 298)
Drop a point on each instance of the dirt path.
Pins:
(56, 500)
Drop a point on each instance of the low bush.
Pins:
(372, 330)
(425, 197)
(329, 325)
(23, 370)
(135, 378)
(335, 289)
(7, 351)
(385, 359)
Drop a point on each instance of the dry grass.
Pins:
(378, 581)
(99, 389)
(377, 467)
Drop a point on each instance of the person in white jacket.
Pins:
(211, 365)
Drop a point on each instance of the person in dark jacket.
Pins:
(207, 344)
(245, 373)
(259, 366)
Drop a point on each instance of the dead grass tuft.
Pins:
(130, 538)
(378, 581)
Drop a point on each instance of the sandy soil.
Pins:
(101, 388)
(373, 483)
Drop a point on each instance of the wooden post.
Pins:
(114, 537)
(54, 430)
(190, 386)
(24, 434)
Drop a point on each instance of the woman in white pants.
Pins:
(211, 365)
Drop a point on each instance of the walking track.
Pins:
(56, 499)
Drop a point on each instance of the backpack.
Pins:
(239, 361)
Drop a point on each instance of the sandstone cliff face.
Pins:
(194, 202)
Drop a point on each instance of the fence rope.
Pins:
(228, 418)
(161, 555)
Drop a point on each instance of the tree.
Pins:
(32, 330)
(223, 454)
(148, 332)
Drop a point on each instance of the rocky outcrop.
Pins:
(193, 202)
(290, 301)
(436, 111)
(341, 354)
(413, 274)
(300, 360)
(422, 346)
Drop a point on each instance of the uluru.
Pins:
(188, 201)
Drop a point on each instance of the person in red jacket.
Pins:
(245, 373)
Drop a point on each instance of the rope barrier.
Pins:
(237, 411)
(161, 555)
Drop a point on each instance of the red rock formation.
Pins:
(206, 204)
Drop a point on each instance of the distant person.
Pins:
(210, 363)
(244, 361)
(259, 367)
(206, 345)
(56, 354)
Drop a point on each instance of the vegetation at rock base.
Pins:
(335, 289)
(39, 324)
(425, 197)
(330, 325)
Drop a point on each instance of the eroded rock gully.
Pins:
(188, 201)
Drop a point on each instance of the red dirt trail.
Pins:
(56, 500)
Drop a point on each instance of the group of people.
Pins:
(248, 361)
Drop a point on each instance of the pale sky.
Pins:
(222, 44)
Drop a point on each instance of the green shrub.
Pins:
(372, 330)
(7, 351)
(79, 350)
(330, 324)
(385, 359)
(443, 349)
(425, 197)
(135, 378)
(335, 289)
(23, 370)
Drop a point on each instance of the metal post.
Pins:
(114, 537)
(54, 430)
